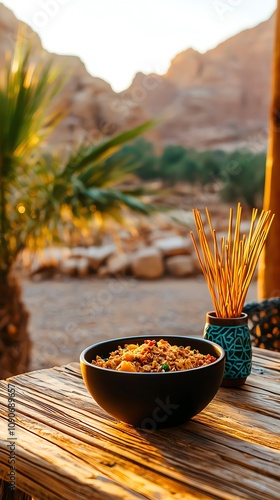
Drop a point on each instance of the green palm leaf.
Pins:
(85, 156)
(35, 187)
(26, 93)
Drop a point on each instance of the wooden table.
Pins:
(68, 448)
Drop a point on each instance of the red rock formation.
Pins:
(219, 99)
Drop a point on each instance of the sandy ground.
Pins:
(70, 314)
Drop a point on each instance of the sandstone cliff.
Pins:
(92, 110)
(217, 99)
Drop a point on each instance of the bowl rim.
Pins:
(152, 337)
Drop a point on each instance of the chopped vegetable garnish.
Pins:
(150, 343)
(165, 367)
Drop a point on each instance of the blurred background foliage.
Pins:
(237, 175)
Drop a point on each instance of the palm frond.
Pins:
(25, 97)
(105, 175)
(27, 89)
(87, 155)
(37, 189)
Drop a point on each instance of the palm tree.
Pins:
(38, 187)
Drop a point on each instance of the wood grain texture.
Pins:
(68, 448)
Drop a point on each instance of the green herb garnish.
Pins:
(165, 367)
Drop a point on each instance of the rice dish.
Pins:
(153, 356)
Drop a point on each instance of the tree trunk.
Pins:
(15, 344)
(269, 269)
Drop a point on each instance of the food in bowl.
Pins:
(152, 400)
(153, 356)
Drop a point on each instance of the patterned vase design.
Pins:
(234, 336)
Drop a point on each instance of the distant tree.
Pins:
(141, 154)
(243, 179)
(190, 169)
(210, 166)
(175, 165)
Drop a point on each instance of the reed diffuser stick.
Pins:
(229, 265)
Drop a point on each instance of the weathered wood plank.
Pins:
(266, 358)
(101, 458)
(7, 494)
(69, 448)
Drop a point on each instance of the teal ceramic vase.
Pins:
(234, 336)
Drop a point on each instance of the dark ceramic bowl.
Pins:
(153, 400)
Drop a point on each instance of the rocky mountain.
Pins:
(217, 99)
(90, 104)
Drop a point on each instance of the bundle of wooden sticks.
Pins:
(229, 265)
